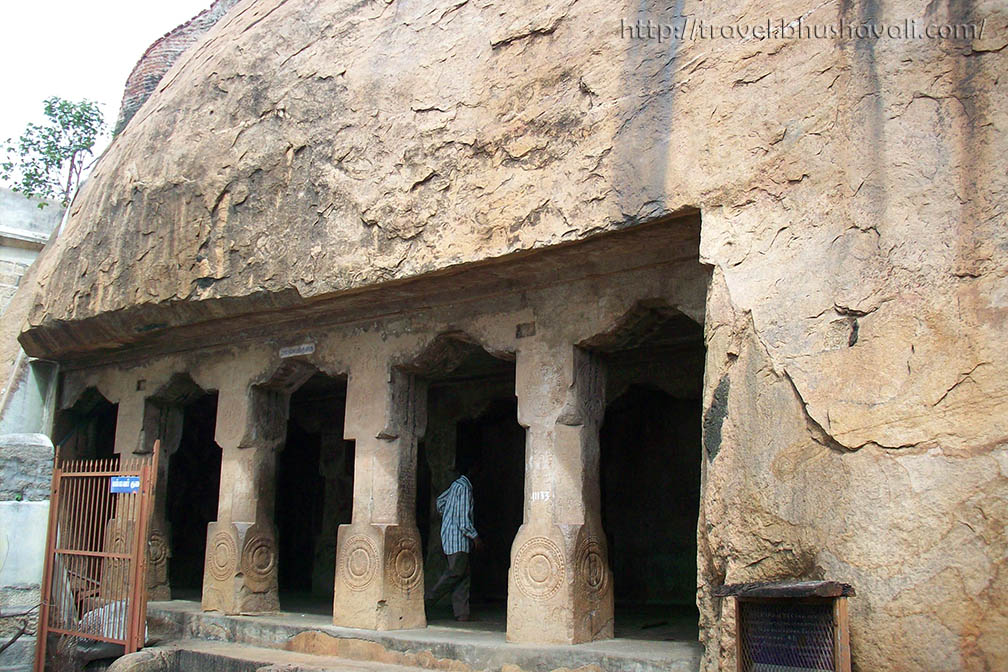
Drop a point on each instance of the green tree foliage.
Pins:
(46, 162)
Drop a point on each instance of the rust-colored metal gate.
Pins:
(93, 587)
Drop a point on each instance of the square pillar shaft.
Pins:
(560, 585)
(161, 422)
(240, 574)
(379, 569)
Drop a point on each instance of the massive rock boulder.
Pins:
(852, 196)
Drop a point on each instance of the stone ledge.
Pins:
(473, 648)
(786, 589)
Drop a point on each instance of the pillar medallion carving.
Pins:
(240, 573)
(591, 566)
(358, 562)
(259, 560)
(222, 555)
(404, 564)
(539, 568)
(379, 577)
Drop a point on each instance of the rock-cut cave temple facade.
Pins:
(710, 310)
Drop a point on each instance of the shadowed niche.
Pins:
(649, 469)
(471, 419)
(314, 485)
(183, 417)
(86, 430)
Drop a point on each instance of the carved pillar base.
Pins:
(162, 422)
(379, 577)
(559, 586)
(158, 554)
(240, 575)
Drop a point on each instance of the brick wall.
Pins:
(160, 56)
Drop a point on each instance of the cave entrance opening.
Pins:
(183, 417)
(472, 425)
(86, 430)
(314, 493)
(193, 486)
(650, 470)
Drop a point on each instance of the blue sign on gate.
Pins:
(124, 485)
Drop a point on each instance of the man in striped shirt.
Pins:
(458, 537)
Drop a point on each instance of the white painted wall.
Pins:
(22, 543)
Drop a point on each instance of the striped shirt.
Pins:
(456, 508)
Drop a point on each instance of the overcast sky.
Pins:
(76, 49)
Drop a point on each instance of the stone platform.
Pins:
(479, 646)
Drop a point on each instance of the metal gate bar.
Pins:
(94, 583)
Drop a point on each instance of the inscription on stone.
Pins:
(297, 350)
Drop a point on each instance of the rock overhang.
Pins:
(151, 329)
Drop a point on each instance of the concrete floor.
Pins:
(647, 640)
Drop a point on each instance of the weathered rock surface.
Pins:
(26, 462)
(853, 207)
(148, 660)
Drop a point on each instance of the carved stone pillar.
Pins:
(560, 586)
(240, 575)
(162, 421)
(379, 569)
(119, 529)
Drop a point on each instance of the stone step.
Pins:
(212, 656)
(477, 647)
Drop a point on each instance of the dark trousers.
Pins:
(455, 580)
